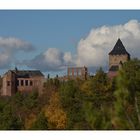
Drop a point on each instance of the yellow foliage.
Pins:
(86, 87)
(29, 121)
(55, 113)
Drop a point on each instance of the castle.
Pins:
(117, 57)
(77, 72)
(25, 81)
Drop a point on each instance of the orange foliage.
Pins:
(55, 114)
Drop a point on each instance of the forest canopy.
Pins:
(98, 103)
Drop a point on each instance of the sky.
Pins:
(52, 40)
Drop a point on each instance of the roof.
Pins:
(114, 68)
(119, 48)
(27, 73)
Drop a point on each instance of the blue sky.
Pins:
(37, 31)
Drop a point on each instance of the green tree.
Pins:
(97, 119)
(127, 105)
(8, 119)
(41, 122)
(98, 101)
(31, 100)
(71, 100)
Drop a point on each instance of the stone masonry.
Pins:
(22, 81)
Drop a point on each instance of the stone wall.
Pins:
(112, 74)
(11, 84)
(28, 85)
(77, 72)
(115, 59)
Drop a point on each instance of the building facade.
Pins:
(117, 57)
(77, 72)
(22, 81)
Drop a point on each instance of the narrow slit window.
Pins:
(17, 82)
(8, 83)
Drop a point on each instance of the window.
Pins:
(26, 82)
(17, 82)
(8, 83)
(21, 82)
(31, 83)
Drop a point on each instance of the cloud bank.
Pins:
(9, 47)
(50, 60)
(93, 50)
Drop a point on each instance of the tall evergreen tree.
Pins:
(127, 105)
(41, 123)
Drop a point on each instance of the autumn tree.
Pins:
(55, 113)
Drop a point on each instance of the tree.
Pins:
(127, 106)
(41, 122)
(31, 100)
(9, 120)
(98, 101)
(55, 114)
(97, 119)
(29, 121)
(50, 86)
(71, 100)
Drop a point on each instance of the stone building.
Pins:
(77, 72)
(23, 81)
(117, 57)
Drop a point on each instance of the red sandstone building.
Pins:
(117, 57)
(77, 72)
(23, 81)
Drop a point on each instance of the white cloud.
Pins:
(52, 59)
(4, 60)
(12, 43)
(9, 47)
(94, 49)
(68, 58)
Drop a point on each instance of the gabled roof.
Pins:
(27, 73)
(119, 49)
(114, 68)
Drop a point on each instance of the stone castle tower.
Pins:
(117, 57)
(9, 84)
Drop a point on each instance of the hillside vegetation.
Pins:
(94, 104)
